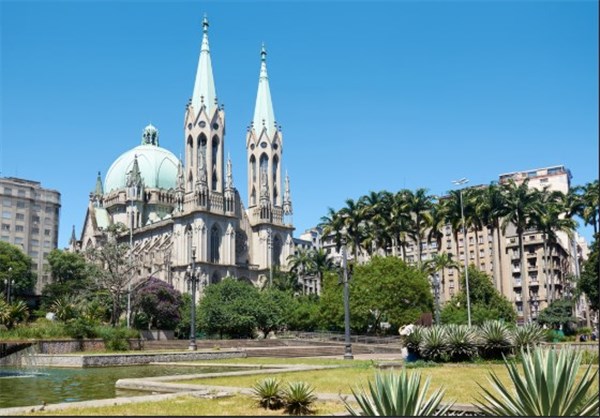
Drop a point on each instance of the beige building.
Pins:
(181, 212)
(30, 217)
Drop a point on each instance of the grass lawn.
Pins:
(186, 405)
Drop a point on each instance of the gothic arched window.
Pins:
(190, 147)
(201, 149)
(215, 278)
(264, 163)
(277, 247)
(215, 243)
(215, 153)
(253, 197)
(275, 168)
(253, 168)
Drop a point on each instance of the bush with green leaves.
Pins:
(434, 344)
(269, 393)
(495, 339)
(547, 386)
(298, 398)
(413, 340)
(398, 395)
(116, 338)
(461, 341)
(527, 336)
(13, 313)
(80, 328)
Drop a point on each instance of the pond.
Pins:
(24, 387)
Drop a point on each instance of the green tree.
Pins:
(486, 302)
(15, 268)
(228, 308)
(70, 275)
(558, 313)
(302, 313)
(588, 282)
(383, 290)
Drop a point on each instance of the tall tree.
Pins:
(589, 282)
(353, 217)
(15, 271)
(590, 211)
(70, 275)
(418, 204)
(114, 268)
(521, 205)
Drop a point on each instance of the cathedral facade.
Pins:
(183, 212)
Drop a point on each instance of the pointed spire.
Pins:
(73, 239)
(229, 175)
(180, 179)
(134, 177)
(99, 190)
(204, 87)
(287, 197)
(263, 110)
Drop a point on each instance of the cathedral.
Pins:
(183, 212)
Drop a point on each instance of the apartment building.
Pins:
(30, 219)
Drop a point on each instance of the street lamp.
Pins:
(460, 182)
(270, 255)
(193, 279)
(436, 293)
(8, 283)
(348, 349)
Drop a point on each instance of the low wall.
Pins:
(74, 346)
(157, 334)
(125, 359)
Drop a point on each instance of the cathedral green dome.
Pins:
(158, 166)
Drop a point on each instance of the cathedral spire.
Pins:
(229, 175)
(263, 111)
(204, 87)
(287, 197)
(73, 239)
(99, 190)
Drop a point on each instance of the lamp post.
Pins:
(348, 349)
(193, 279)
(131, 192)
(270, 255)
(8, 283)
(436, 293)
(460, 182)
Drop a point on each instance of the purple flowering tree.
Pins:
(156, 305)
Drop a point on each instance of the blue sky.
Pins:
(370, 95)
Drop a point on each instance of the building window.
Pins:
(19, 228)
(7, 190)
(20, 217)
(35, 218)
(47, 232)
(6, 214)
(35, 242)
(215, 243)
(47, 245)
(20, 204)
(18, 240)
(4, 238)
(5, 227)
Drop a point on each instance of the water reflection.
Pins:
(70, 385)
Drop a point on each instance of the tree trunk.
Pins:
(548, 283)
(499, 250)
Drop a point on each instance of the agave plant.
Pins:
(527, 336)
(461, 342)
(434, 344)
(298, 398)
(495, 339)
(548, 387)
(398, 395)
(413, 339)
(269, 393)
(66, 308)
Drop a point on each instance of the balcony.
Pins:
(517, 283)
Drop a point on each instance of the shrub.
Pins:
(80, 328)
(115, 338)
(548, 387)
(434, 345)
(298, 397)
(495, 339)
(397, 395)
(461, 341)
(528, 336)
(269, 393)
(413, 340)
(13, 313)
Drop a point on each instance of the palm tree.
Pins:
(321, 263)
(436, 221)
(374, 206)
(549, 220)
(400, 223)
(353, 217)
(521, 205)
(490, 208)
(331, 224)
(418, 203)
(590, 211)
(471, 197)
(452, 209)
